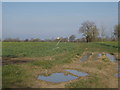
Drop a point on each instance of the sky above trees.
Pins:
(52, 19)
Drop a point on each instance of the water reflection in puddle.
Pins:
(75, 72)
(117, 74)
(111, 57)
(57, 77)
(118, 68)
(84, 58)
(97, 56)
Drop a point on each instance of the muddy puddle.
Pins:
(78, 73)
(117, 68)
(96, 56)
(85, 57)
(57, 77)
(111, 57)
(62, 77)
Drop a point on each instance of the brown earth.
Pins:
(104, 69)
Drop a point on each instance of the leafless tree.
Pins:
(12, 40)
(102, 32)
(26, 40)
(117, 32)
(72, 38)
(35, 40)
(89, 30)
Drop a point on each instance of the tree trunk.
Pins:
(87, 39)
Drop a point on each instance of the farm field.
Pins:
(23, 62)
(108, 43)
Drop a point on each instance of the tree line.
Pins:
(89, 31)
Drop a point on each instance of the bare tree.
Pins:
(12, 40)
(35, 40)
(26, 40)
(117, 31)
(89, 30)
(64, 39)
(103, 32)
(72, 38)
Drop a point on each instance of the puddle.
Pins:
(118, 68)
(75, 72)
(84, 58)
(111, 57)
(96, 56)
(57, 77)
(99, 55)
(117, 75)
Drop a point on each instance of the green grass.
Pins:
(39, 49)
(90, 82)
(15, 75)
(43, 64)
(34, 49)
(102, 47)
(110, 43)
(114, 45)
(66, 58)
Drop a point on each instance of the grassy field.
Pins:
(41, 56)
(112, 44)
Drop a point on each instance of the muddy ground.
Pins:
(100, 67)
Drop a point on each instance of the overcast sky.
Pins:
(49, 20)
